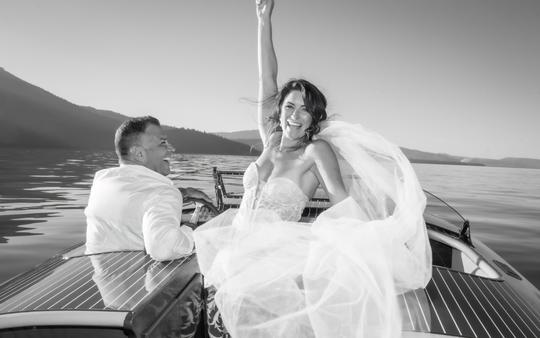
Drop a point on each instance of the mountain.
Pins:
(247, 137)
(240, 135)
(251, 138)
(34, 118)
(510, 162)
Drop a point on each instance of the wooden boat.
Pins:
(473, 292)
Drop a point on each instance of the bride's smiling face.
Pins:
(295, 119)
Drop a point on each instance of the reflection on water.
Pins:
(38, 185)
(43, 194)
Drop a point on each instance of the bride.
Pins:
(339, 276)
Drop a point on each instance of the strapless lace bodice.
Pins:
(280, 195)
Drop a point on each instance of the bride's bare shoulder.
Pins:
(319, 148)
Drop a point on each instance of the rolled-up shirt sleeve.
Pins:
(164, 238)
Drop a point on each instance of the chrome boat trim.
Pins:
(63, 318)
(488, 270)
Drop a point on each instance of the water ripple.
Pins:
(43, 193)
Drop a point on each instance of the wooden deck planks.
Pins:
(465, 305)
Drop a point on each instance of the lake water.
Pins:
(43, 194)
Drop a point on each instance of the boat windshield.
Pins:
(229, 191)
(435, 206)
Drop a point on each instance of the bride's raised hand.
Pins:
(264, 8)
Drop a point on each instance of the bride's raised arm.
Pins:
(268, 67)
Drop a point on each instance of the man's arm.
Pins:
(164, 238)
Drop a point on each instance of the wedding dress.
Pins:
(336, 277)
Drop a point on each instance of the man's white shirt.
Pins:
(134, 208)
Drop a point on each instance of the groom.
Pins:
(135, 206)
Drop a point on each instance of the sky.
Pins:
(460, 77)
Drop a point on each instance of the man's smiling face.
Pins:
(156, 149)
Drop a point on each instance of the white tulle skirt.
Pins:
(337, 277)
(332, 278)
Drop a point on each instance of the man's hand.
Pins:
(193, 226)
(191, 194)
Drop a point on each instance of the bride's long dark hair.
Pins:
(314, 100)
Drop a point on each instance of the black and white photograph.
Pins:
(270, 168)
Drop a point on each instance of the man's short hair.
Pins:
(127, 135)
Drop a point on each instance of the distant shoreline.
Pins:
(447, 162)
(503, 163)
